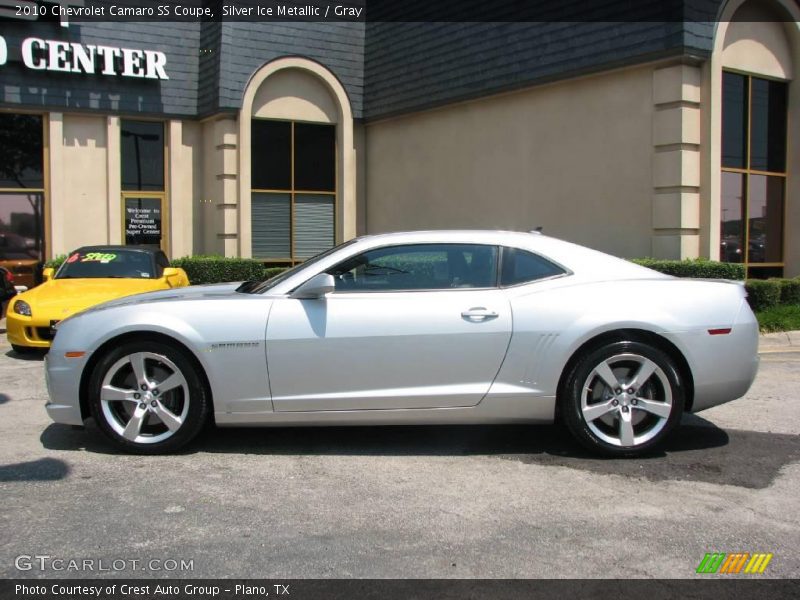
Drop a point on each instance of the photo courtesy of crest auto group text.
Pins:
(413, 299)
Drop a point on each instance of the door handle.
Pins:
(479, 313)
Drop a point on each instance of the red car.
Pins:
(7, 289)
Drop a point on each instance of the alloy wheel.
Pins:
(145, 398)
(626, 400)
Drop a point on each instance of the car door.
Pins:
(409, 326)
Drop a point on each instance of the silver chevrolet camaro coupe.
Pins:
(413, 328)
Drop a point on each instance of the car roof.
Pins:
(583, 263)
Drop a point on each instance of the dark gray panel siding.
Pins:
(409, 66)
(208, 64)
(207, 95)
(245, 47)
(78, 91)
(385, 68)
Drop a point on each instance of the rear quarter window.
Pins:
(520, 266)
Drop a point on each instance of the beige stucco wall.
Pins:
(572, 157)
(84, 195)
(218, 197)
(294, 94)
(759, 46)
(84, 184)
(360, 146)
(184, 184)
(792, 238)
(79, 210)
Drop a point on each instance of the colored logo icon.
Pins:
(734, 563)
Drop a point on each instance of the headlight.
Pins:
(22, 308)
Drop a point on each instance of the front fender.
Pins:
(229, 347)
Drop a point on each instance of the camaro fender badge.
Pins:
(232, 346)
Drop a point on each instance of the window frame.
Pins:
(748, 171)
(565, 272)
(162, 195)
(293, 192)
(44, 190)
(496, 285)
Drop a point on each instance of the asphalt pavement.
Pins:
(422, 502)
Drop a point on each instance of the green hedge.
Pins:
(696, 268)
(790, 291)
(210, 269)
(271, 272)
(55, 262)
(218, 269)
(763, 293)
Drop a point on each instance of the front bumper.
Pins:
(32, 332)
(62, 376)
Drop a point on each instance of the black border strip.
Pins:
(379, 10)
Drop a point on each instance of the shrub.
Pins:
(55, 262)
(695, 268)
(790, 291)
(218, 269)
(271, 272)
(763, 293)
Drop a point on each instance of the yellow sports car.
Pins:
(89, 276)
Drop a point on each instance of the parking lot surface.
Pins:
(491, 501)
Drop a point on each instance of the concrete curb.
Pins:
(783, 341)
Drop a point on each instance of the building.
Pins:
(274, 140)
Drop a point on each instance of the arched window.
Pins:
(296, 163)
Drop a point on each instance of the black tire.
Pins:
(610, 420)
(144, 413)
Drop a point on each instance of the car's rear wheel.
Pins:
(623, 398)
(147, 397)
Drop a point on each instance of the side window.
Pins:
(419, 267)
(520, 266)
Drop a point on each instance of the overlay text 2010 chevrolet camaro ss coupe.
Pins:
(412, 328)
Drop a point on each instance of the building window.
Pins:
(293, 190)
(143, 191)
(754, 121)
(22, 196)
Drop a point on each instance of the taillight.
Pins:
(9, 276)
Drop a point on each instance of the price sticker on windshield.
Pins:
(98, 257)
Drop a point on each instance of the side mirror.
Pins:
(316, 287)
(48, 273)
(175, 276)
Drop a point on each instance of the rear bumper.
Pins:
(724, 366)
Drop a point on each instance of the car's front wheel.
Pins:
(147, 397)
(623, 398)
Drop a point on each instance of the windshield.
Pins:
(271, 283)
(91, 264)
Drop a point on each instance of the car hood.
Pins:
(215, 290)
(60, 298)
